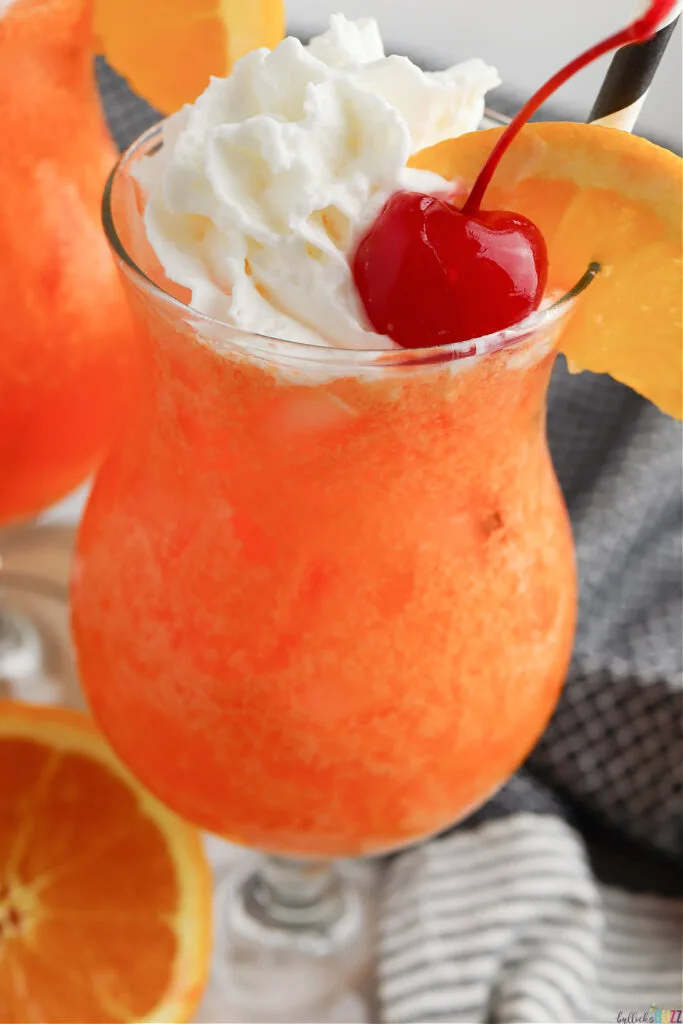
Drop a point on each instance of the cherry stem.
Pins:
(637, 32)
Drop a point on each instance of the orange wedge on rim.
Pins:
(105, 894)
(168, 49)
(598, 195)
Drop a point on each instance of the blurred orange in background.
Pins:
(67, 341)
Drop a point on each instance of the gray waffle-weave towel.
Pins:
(558, 901)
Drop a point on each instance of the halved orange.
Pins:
(598, 195)
(105, 894)
(168, 49)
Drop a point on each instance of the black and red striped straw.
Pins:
(630, 75)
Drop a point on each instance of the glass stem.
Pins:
(295, 895)
(293, 943)
(20, 649)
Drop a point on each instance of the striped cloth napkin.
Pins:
(559, 900)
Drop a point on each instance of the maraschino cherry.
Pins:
(430, 273)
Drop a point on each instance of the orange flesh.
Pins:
(169, 49)
(339, 614)
(66, 334)
(87, 892)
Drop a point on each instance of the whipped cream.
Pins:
(264, 185)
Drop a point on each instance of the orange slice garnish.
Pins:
(598, 195)
(168, 49)
(105, 895)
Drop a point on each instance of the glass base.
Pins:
(304, 960)
(36, 658)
